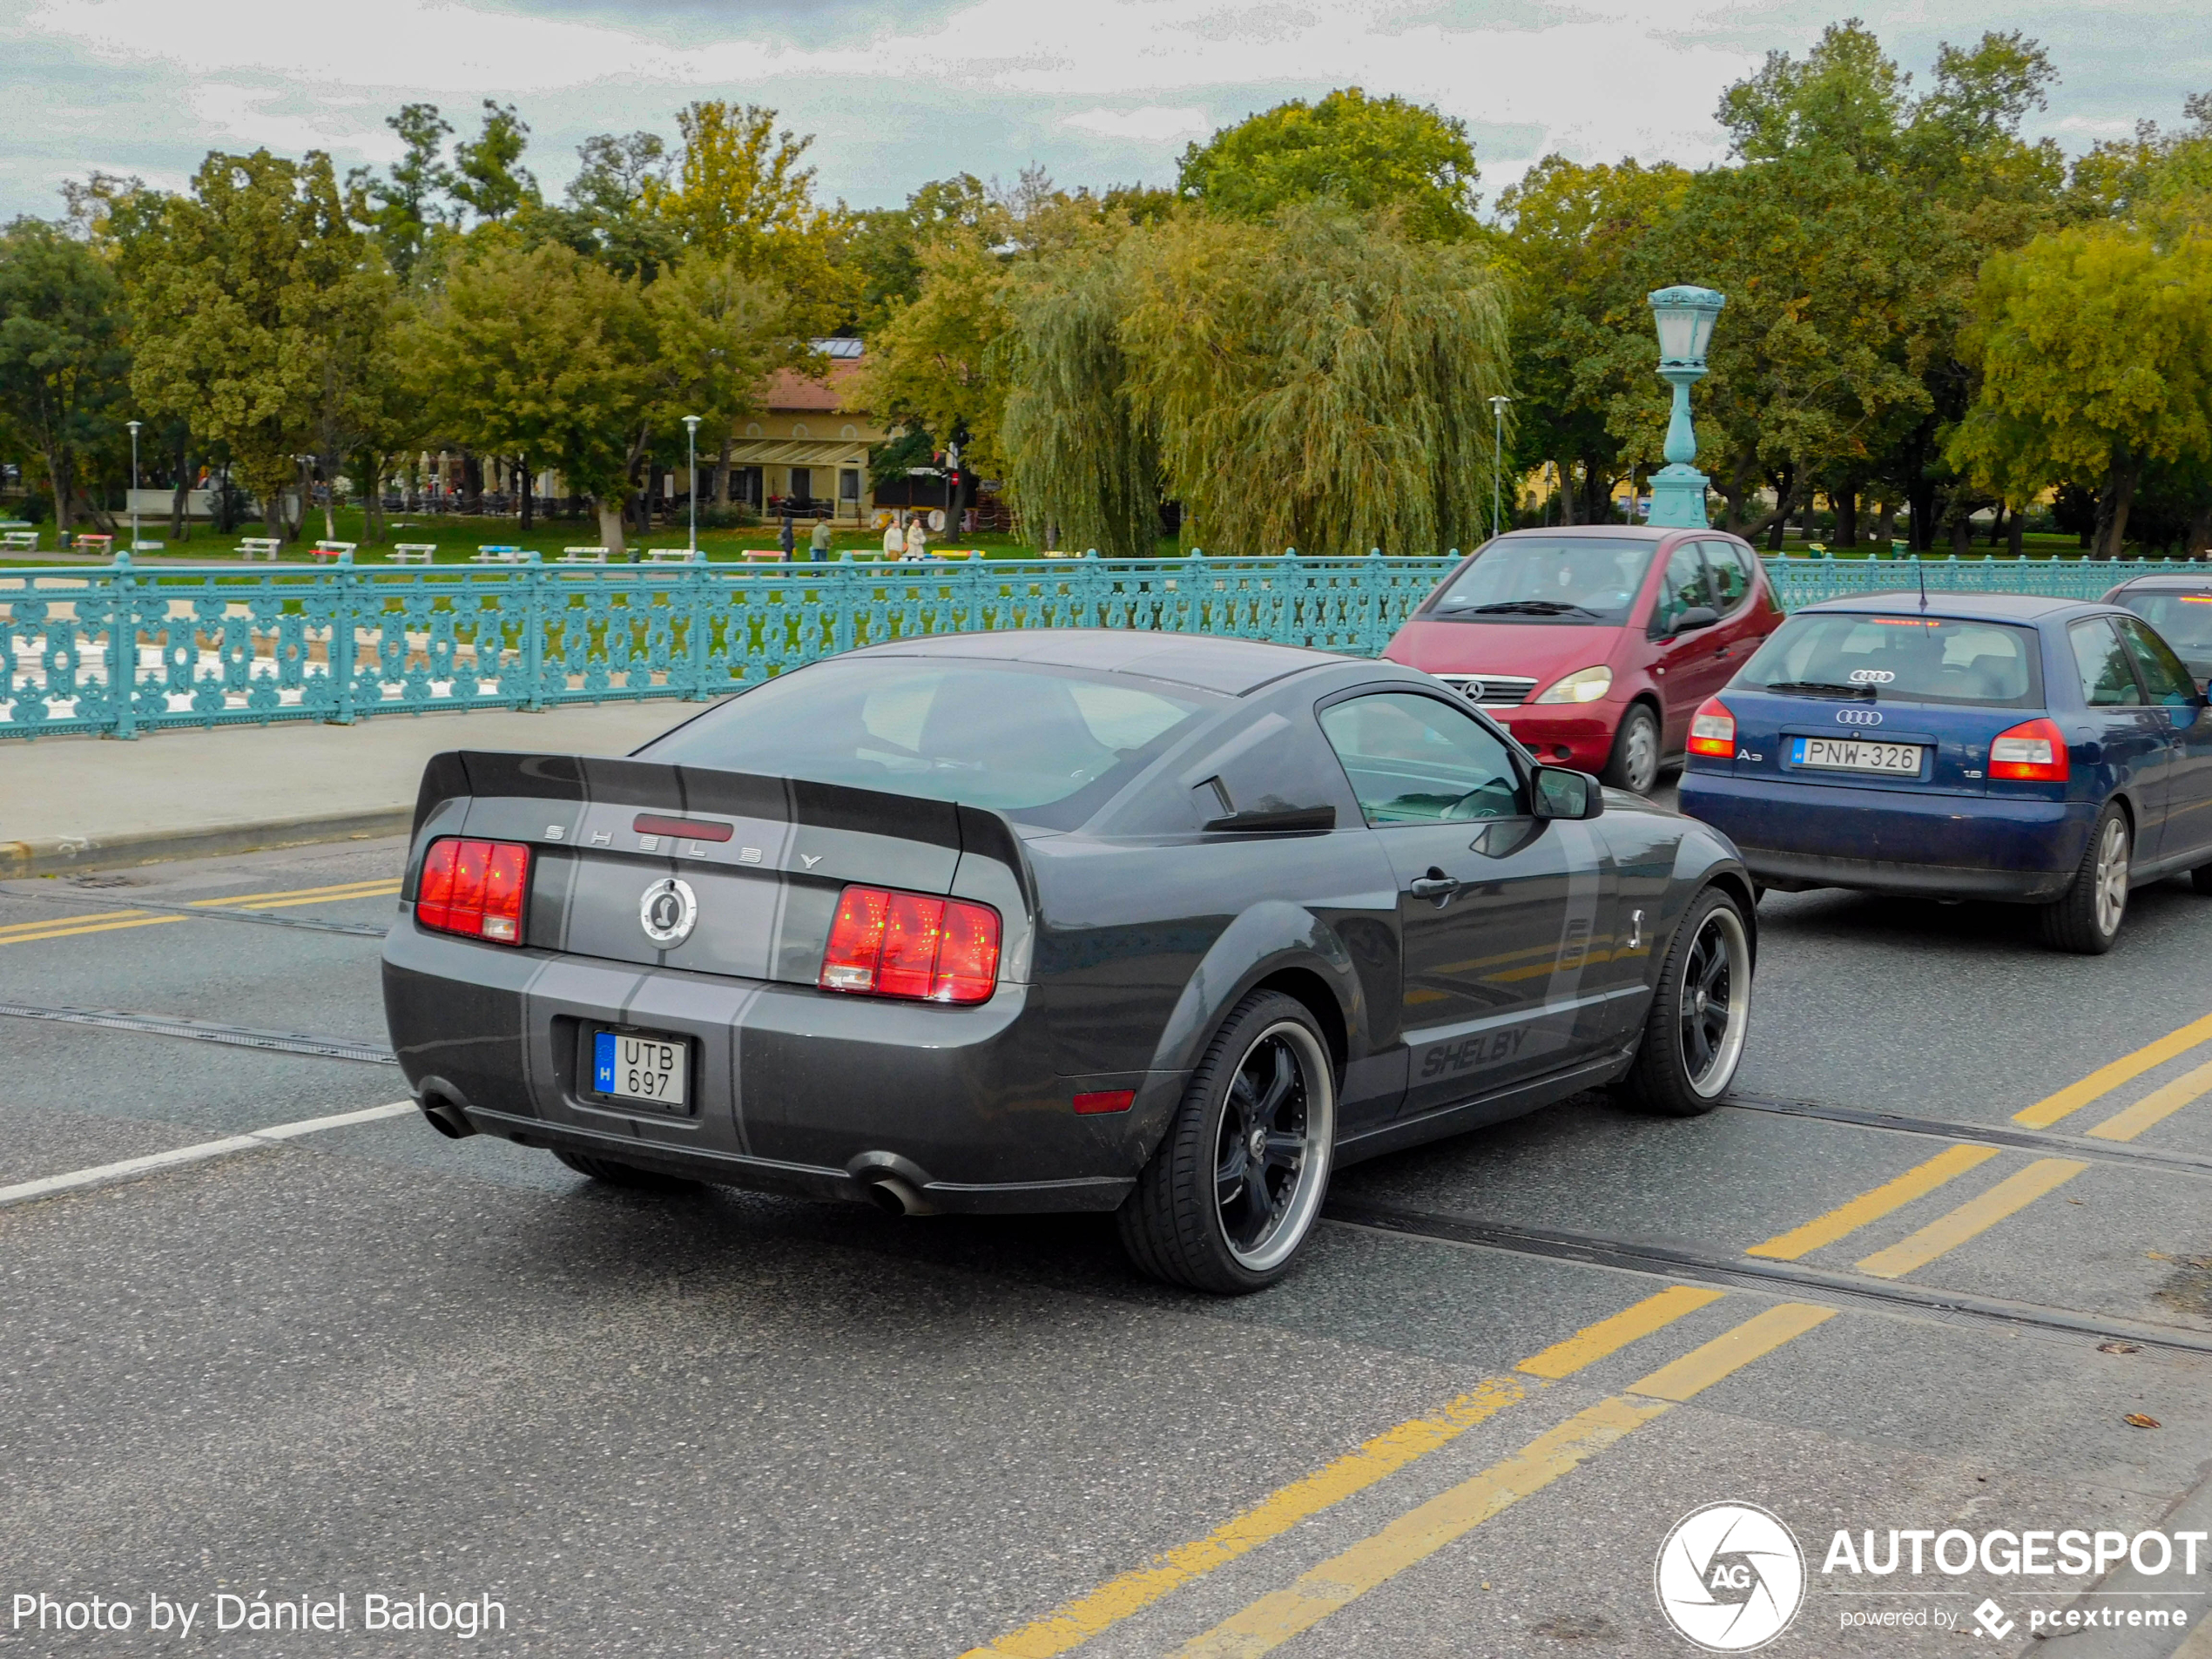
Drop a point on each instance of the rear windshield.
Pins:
(2183, 619)
(1573, 578)
(1902, 659)
(1046, 745)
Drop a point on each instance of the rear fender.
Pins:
(1268, 938)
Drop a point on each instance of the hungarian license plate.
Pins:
(651, 1069)
(1857, 754)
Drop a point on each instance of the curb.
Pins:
(55, 855)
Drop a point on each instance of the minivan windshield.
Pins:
(1544, 579)
(1907, 659)
(2184, 620)
(1044, 744)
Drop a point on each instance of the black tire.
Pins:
(2086, 919)
(617, 1174)
(2201, 878)
(1693, 1036)
(1633, 764)
(1267, 1071)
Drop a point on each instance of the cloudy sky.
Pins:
(1100, 91)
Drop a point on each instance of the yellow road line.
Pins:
(1977, 1215)
(1593, 1342)
(345, 890)
(1846, 1219)
(1731, 1351)
(1267, 1623)
(2105, 1079)
(1070, 1626)
(93, 927)
(15, 927)
(2155, 1107)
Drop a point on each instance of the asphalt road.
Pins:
(364, 1359)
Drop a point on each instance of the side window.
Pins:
(1682, 588)
(2162, 672)
(2108, 681)
(1731, 581)
(1413, 759)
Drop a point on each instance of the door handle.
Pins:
(1435, 885)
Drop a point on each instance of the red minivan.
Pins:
(1595, 643)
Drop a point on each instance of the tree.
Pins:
(487, 171)
(2094, 349)
(64, 366)
(246, 296)
(542, 353)
(1320, 383)
(719, 335)
(1362, 152)
(609, 215)
(398, 208)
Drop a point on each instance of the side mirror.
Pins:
(1560, 791)
(1693, 619)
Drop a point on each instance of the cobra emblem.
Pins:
(1858, 717)
(668, 911)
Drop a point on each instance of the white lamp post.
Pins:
(1497, 465)
(691, 475)
(133, 425)
(1684, 317)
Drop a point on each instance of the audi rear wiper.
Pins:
(1821, 688)
(1529, 607)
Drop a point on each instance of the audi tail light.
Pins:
(1712, 729)
(2033, 751)
(884, 943)
(475, 889)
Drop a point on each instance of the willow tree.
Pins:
(1319, 381)
(1081, 457)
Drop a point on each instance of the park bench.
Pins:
(18, 541)
(763, 555)
(583, 556)
(89, 543)
(144, 546)
(322, 550)
(669, 556)
(498, 554)
(258, 547)
(414, 552)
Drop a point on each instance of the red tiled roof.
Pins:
(795, 393)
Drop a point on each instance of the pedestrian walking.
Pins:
(817, 541)
(917, 539)
(786, 538)
(894, 539)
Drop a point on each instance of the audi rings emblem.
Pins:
(1871, 677)
(668, 911)
(1858, 717)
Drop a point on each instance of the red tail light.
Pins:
(474, 888)
(911, 944)
(2032, 751)
(1712, 729)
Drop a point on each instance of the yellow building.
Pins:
(809, 446)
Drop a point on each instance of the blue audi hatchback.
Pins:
(2042, 751)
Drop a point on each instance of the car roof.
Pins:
(1207, 663)
(2192, 583)
(1956, 607)
(1614, 533)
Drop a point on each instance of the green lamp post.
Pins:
(1685, 317)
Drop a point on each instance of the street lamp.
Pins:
(133, 425)
(1497, 464)
(1685, 316)
(691, 475)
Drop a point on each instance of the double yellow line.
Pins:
(108, 922)
(1275, 1618)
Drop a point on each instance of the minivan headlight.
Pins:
(1583, 685)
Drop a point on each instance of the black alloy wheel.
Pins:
(1694, 1034)
(1237, 1184)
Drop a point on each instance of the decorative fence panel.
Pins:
(123, 649)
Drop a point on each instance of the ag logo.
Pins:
(1731, 1577)
(668, 911)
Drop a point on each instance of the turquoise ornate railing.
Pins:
(122, 650)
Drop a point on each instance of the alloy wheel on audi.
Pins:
(2112, 877)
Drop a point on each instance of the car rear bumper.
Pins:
(1797, 834)
(789, 1088)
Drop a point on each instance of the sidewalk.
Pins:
(94, 803)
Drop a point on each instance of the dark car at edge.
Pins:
(1059, 920)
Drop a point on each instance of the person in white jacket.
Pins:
(917, 539)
